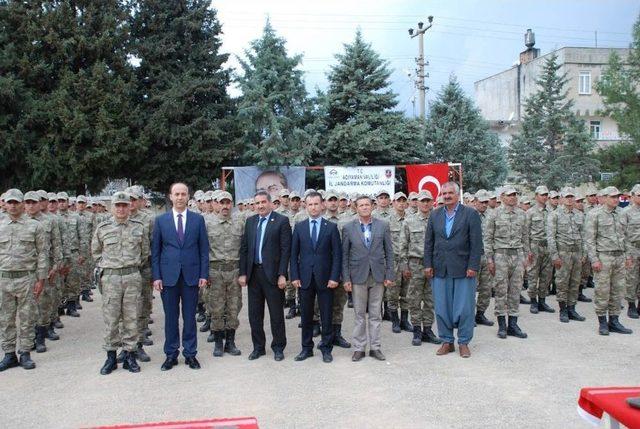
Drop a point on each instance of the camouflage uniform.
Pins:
(540, 271)
(631, 220)
(76, 243)
(564, 232)
(146, 290)
(396, 296)
(85, 270)
(485, 279)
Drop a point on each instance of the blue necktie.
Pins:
(258, 246)
(314, 233)
(180, 229)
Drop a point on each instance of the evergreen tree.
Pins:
(456, 132)
(274, 110)
(619, 87)
(553, 146)
(184, 118)
(360, 126)
(624, 159)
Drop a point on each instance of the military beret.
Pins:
(62, 196)
(13, 195)
(31, 196)
(121, 198)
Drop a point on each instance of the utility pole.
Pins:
(420, 78)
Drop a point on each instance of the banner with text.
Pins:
(429, 177)
(362, 180)
(248, 180)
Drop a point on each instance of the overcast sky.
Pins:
(472, 39)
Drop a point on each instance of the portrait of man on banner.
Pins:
(249, 180)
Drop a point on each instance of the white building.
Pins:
(501, 97)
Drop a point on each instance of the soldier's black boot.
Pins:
(206, 326)
(211, 337)
(58, 323)
(121, 356)
(616, 326)
(385, 311)
(502, 327)
(524, 300)
(61, 309)
(590, 282)
(218, 347)
(130, 362)
(293, 310)
(543, 306)
(10, 360)
(349, 300)
(316, 328)
(581, 296)
(632, 312)
(429, 337)
(147, 341)
(513, 329)
(534, 306)
(573, 314)
(51, 333)
(41, 334)
(338, 340)
(482, 320)
(25, 361)
(110, 364)
(603, 326)
(201, 313)
(417, 336)
(71, 309)
(141, 354)
(86, 296)
(525, 283)
(77, 303)
(405, 325)
(395, 322)
(564, 312)
(230, 343)
(553, 289)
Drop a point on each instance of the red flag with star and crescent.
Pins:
(429, 177)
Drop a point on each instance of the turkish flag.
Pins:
(427, 177)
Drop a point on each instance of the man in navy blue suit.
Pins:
(316, 263)
(180, 265)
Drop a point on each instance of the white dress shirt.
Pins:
(184, 219)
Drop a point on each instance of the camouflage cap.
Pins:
(62, 196)
(424, 195)
(525, 200)
(579, 196)
(467, 196)
(13, 195)
(307, 192)
(284, 193)
(382, 192)
(541, 190)
(90, 203)
(52, 196)
(43, 194)
(224, 195)
(399, 195)
(567, 192)
(275, 198)
(134, 192)
(343, 196)
(121, 198)
(636, 189)
(508, 190)
(72, 200)
(610, 191)
(553, 194)
(482, 195)
(330, 194)
(31, 196)
(492, 195)
(207, 196)
(81, 199)
(293, 194)
(198, 193)
(591, 190)
(413, 196)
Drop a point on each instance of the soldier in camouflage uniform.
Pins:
(585, 271)
(419, 295)
(413, 203)
(631, 220)
(540, 270)
(120, 247)
(383, 209)
(86, 269)
(605, 243)
(46, 299)
(24, 265)
(485, 279)
(224, 297)
(506, 243)
(564, 234)
(396, 296)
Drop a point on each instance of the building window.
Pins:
(585, 82)
(594, 129)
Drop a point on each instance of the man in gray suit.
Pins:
(452, 251)
(367, 267)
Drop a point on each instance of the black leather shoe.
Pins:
(168, 364)
(377, 354)
(192, 362)
(304, 354)
(357, 356)
(326, 356)
(256, 354)
(278, 356)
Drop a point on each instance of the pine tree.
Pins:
(184, 120)
(274, 110)
(360, 126)
(553, 146)
(456, 132)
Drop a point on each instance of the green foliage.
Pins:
(553, 146)
(624, 159)
(456, 132)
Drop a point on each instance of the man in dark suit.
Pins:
(316, 262)
(264, 262)
(452, 251)
(367, 267)
(180, 265)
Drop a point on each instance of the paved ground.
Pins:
(529, 383)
